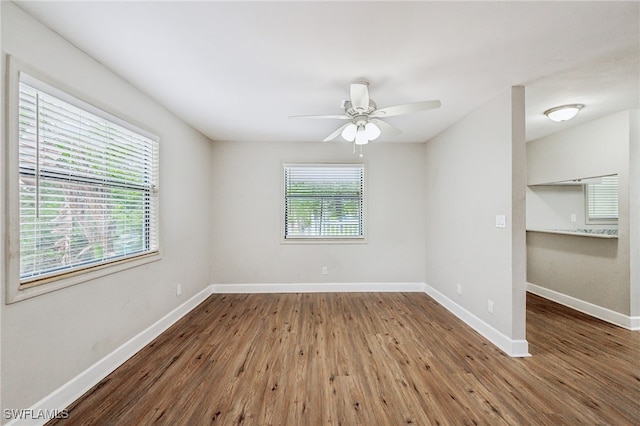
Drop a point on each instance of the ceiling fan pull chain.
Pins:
(361, 154)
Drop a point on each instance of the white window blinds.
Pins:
(88, 186)
(602, 199)
(323, 201)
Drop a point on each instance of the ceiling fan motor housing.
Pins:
(352, 112)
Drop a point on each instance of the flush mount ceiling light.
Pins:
(563, 112)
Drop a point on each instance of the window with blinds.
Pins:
(602, 200)
(323, 201)
(88, 186)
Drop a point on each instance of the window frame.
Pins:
(15, 290)
(323, 240)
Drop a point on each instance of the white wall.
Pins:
(596, 272)
(634, 215)
(551, 207)
(3, 236)
(49, 339)
(475, 171)
(247, 216)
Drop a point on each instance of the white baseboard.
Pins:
(319, 288)
(605, 314)
(513, 348)
(76, 387)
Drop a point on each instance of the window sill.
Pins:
(17, 292)
(322, 241)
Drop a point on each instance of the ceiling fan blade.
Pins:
(331, 116)
(335, 134)
(405, 109)
(360, 96)
(386, 128)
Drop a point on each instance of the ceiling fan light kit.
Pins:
(361, 136)
(365, 117)
(372, 131)
(563, 112)
(349, 132)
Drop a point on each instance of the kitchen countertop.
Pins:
(595, 233)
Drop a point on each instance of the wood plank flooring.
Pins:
(368, 359)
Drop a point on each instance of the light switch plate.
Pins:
(501, 221)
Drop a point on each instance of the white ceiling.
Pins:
(237, 70)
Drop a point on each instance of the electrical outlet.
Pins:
(459, 289)
(573, 217)
(178, 290)
(490, 306)
(325, 270)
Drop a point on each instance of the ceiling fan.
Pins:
(364, 117)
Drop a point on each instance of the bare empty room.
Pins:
(298, 212)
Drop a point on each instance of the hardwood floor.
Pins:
(370, 359)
